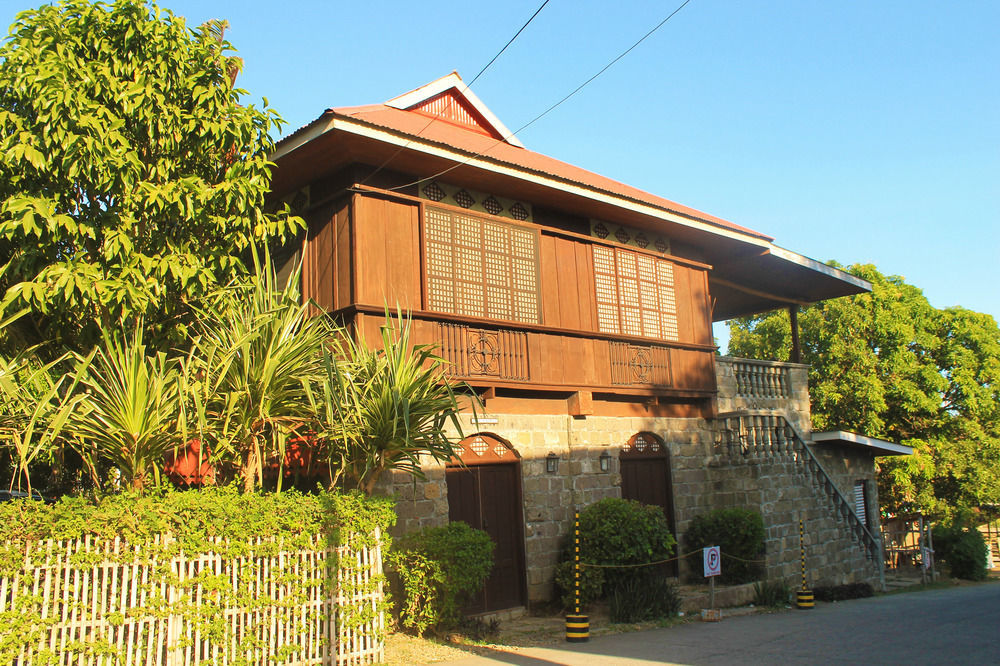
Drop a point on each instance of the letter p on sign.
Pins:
(713, 561)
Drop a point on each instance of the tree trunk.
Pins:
(249, 472)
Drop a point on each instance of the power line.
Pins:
(548, 110)
(474, 79)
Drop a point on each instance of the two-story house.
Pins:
(580, 309)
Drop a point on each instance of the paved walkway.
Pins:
(956, 625)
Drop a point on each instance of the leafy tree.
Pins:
(131, 177)
(887, 364)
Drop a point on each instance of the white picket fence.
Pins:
(106, 602)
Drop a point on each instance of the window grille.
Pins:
(480, 268)
(635, 294)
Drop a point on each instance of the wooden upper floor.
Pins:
(548, 288)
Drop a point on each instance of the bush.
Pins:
(591, 584)
(963, 549)
(843, 592)
(739, 533)
(771, 593)
(616, 532)
(644, 597)
(439, 569)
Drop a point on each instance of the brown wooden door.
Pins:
(645, 469)
(487, 496)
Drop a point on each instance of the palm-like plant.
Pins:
(251, 369)
(383, 409)
(33, 408)
(126, 409)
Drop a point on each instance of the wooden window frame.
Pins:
(635, 301)
(509, 298)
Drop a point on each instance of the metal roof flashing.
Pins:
(878, 447)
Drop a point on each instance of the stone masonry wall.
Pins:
(549, 499)
(795, 407)
(700, 480)
(783, 492)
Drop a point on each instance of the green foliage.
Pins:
(158, 526)
(739, 533)
(35, 402)
(591, 584)
(439, 569)
(385, 409)
(771, 593)
(843, 592)
(193, 518)
(644, 597)
(962, 548)
(252, 370)
(132, 176)
(618, 532)
(126, 408)
(887, 364)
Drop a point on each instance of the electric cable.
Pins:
(474, 79)
(546, 111)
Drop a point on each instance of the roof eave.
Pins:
(878, 447)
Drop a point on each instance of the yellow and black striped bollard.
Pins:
(804, 597)
(577, 625)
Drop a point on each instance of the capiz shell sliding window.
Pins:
(478, 267)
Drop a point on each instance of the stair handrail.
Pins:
(873, 545)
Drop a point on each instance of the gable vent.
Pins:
(447, 106)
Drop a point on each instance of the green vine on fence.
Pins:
(292, 541)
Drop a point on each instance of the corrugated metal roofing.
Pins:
(414, 125)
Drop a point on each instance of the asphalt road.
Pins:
(959, 625)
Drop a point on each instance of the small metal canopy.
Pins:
(877, 447)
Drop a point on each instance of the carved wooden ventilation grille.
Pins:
(629, 236)
(475, 201)
(447, 106)
(639, 364)
(479, 446)
(635, 294)
(484, 448)
(480, 268)
(473, 352)
(644, 445)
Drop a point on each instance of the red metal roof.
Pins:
(417, 126)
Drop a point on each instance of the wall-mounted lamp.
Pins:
(605, 460)
(552, 463)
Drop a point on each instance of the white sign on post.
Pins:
(713, 561)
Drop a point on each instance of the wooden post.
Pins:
(793, 317)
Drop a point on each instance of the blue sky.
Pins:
(855, 131)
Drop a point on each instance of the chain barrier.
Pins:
(658, 562)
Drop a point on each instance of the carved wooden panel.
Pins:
(480, 352)
(480, 268)
(640, 364)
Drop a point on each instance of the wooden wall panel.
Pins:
(388, 253)
(549, 280)
(693, 370)
(585, 286)
(321, 275)
(682, 293)
(344, 263)
(569, 285)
